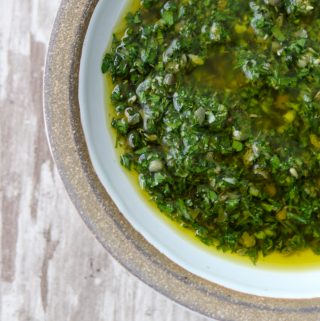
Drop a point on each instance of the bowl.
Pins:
(131, 229)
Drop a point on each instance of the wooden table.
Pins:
(51, 266)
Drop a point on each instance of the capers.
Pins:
(200, 115)
(134, 140)
(133, 116)
(155, 166)
(169, 80)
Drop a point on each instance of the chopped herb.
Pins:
(217, 104)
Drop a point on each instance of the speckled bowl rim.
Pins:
(68, 148)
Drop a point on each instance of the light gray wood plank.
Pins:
(51, 266)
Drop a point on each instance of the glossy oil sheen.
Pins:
(303, 260)
(212, 73)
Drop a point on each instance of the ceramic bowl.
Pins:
(77, 114)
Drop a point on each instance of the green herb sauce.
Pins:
(217, 108)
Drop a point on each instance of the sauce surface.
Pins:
(216, 109)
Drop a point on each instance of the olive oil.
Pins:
(298, 261)
(235, 79)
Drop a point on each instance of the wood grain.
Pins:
(51, 266)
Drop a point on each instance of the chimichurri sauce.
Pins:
(218, 110)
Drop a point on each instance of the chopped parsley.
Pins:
(218, 110)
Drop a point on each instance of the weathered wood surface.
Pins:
(51, 266)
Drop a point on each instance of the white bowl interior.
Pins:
(196, 259)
